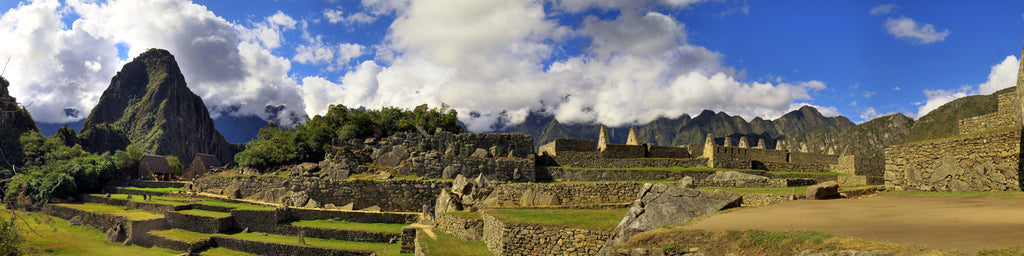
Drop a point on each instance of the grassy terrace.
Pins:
(236, 206)
(181, 235)
(217, 251)
(597, 220)
(465, 215)
(344, 225)
(380, 248)
(168, 200)
(449, 245)
(206, 213)
(161, 190)
(56, 237)
(115, 210)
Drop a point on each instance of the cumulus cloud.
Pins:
(62, 71)
(582, 5)
(335, 16)
(1003, 75)
(882, 9)
(936, 98)
(868, 94)
(904, 27)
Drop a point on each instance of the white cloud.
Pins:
(583, 5)
(230, 66)
(316, 52)
(904, 27)
(868, 94)
(936, 98)
(896, 88)
(1003, 75)
(883, 9)
(334, 16)
(853, 103)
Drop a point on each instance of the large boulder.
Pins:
(116, 234)
(393, 158)
(451, 170)
(667, 204)
(687, 182)
(533, 198)
(480, 153)
(824, 190)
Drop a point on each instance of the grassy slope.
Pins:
(56, 237)
(942, 122)
(450, 246)
(115, 210)
(333, 224)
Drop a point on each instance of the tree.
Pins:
(176, 167)
(103, 138)
(67, 136)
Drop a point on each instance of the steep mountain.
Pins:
(686, 130)
(867, 139)
(14, 120)
(49, 129)
(942, 122)
(149, 100)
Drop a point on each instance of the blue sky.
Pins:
(616, 62)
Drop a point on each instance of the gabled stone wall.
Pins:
(571, 145)
(496, 169)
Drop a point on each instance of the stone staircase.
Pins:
(194, 224)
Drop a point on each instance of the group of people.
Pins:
(428, 211)
(144, 197)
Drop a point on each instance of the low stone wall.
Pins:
(791, 167)
(120, 190)
(812, 158)
(667, 152)
(623, 151)
(496, 169)
(408, 240)
(263, 248)
(561, 145)
(353, 216)
(817, 177)
(986, 122)
(259, 220)
(852, 180)
(751, 200)
(211, 208)
(336, 234)
(389, 195)
(986, 162)
(504, 238)
(137, 231)
(464, 144)
(201, 224)
(515, 194)
(573, 174)
(465, 229)
(767, 155)
(147, 206)
(156, 184)
(765, 183)
(181, 246)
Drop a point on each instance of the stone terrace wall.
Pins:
(263, 248)
(667, 152)
(623, 151)
(855, 165)
(201, 224)
(353, 216)
(465, 229)
(766, 155)
(729, 157)
(390, 195)
(811, 158)
(791, 167)
(568, 193)
(497, 169)
(560, 145)
(520, 145)
(987, 162)
(558, 173)
(594, 160)
(155, 184)
(986, 122)
(519, 239)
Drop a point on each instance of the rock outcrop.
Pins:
(464, 195)
(667, 204)
(824, 190)
(149, 100)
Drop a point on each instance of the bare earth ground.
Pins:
(963, 223)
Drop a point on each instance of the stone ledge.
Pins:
(266, 248)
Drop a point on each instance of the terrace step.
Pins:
(271, 244)
(181, 240)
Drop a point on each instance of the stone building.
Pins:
(201, 164)
(154, 166)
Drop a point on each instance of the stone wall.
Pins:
(141, 205)
(573, 174)
(353, 216)
(201, 224)
(594, 160)
(514, 194)
(752, 200)
(791, 167)
(855, 165)
(767, 155)
(764, 183)
(463, 144)
(561, 145)
(986, 122)
(137, 231)
(264, 248)
(729, 158)
(986, 162)
(496, 169)
(667, 152)
(623, 151)
(465, 229)
(852, 180)
(155, 184)
(389, 195)
(181, 246)
(812, 158)
(504, 238)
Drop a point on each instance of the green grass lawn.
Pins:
(449, 245)
(380, 248)
(115, 210)
(597, 220)
(168, 200)
(465, 215)
(161, 190)
(181, 235)
(57, 237)
(236, 206)
(206, 213)
(218, 251)
(334, 224)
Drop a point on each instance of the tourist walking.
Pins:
(426, 210)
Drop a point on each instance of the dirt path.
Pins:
(965, 223)
(426, 227)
